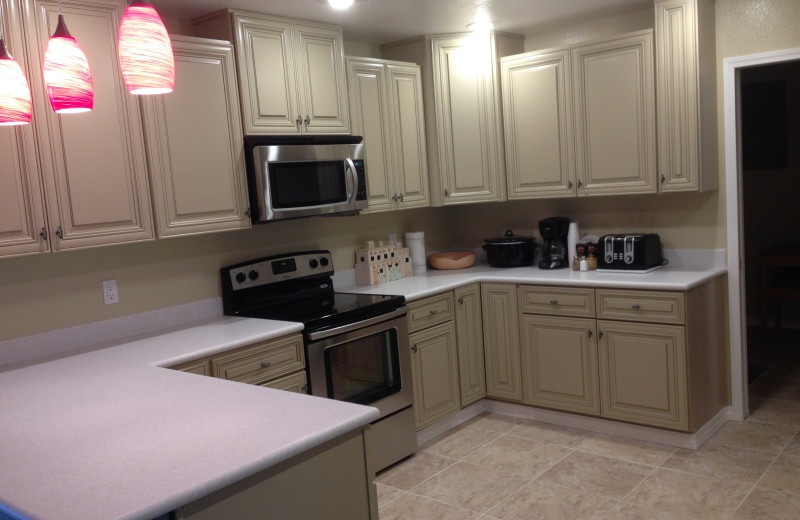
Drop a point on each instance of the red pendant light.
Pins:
(145, 51)
(66, 72)
(15, 96)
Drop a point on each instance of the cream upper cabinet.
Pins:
(92, 164)
(501, 341)
(615, 115)
(469, 336)
(462, 109)
(291, 72)
(386, 109)
(537, 118)
(197, 176)
(686, 95)
(23, 225)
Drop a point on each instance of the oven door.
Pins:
(366, 363)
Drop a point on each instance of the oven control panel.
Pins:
(279, 268)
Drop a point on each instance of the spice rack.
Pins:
(382, 263)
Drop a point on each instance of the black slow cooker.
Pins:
(510, 250)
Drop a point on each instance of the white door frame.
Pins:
(737, 314)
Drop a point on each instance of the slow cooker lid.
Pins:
(510, 238)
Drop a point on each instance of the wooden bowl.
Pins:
(452, 260)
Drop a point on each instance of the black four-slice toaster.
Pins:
(633, 252)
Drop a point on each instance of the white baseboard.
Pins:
(691, 441)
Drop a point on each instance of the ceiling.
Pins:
(381, 21)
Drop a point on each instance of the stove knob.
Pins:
(253, 275)
(313, 263)
(240, 277)
(323, 261)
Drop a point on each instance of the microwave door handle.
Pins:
(352, 184)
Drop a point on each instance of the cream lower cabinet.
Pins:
(194, 143)
(462, 110)
(614, 113)
(469, 338)
(334, 480)
(686, 95)
(643, 370)
(291, 72)
(72, 180)
(501, 341)
(386, 110)
(559, 359)
(435, 373)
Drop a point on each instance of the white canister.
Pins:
(415, 242)
(572, 240)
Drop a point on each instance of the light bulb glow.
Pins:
(340, 4)
(66, 73)
(15, 96)
(145, 51)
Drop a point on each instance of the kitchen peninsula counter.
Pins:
(111, 434)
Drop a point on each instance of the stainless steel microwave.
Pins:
(292, 177)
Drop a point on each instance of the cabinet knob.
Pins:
(400, 197)
(446, 193)
(553, 302)
(60, 233)
(599, 334)
(461, 300)
(589, 331)
(299, 120)
(307, 120)
(265, 364)
(434, 311)
(580, 184)
(636, 306)
(414, 348)
(663, 179)
(569, 184)
(394, 197)
(43, 234)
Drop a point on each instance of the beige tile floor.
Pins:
(501, 467)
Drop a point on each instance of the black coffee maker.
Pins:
(554, 235)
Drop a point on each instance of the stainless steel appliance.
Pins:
(630, 252)
(292, 177)
(356, 345)
(554, 243)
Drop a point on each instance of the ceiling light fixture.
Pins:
(66, 72)
(340, 4)
(145, 51)
(15, 96)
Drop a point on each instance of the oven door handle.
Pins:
(315, 336)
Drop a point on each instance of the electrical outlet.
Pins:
(110, 294)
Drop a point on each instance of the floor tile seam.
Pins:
(587, 452)
(442, 502)
(630, 492)
(383, 503)
(763, 421)
(454, 462)
(755, 484)
(543, 442)
(711, 477)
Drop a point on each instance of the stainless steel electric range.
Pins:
(356, 345)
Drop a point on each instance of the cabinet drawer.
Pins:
(262, 361)
(291, 383)
(430, 311)
(649, 306)
(557, 301)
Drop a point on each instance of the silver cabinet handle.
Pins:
(60, 233)
(299, 120)
(636, 306)
(265, 364)
(553, 302)
(307, 120)
(43, 234)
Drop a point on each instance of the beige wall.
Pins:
(48, 292)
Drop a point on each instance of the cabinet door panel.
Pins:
(537, 103)
(198, 178)
(501, 341)
(614, 118)
(97, 190)
(643, 373)
(266, 75)
(319, 62)
(560, 363)
(370, 119)
(469, 335)
(435, 373)
(408, 126)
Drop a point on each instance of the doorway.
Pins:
(735, 180)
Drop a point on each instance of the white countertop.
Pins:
(670, 277)
(111, 434)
